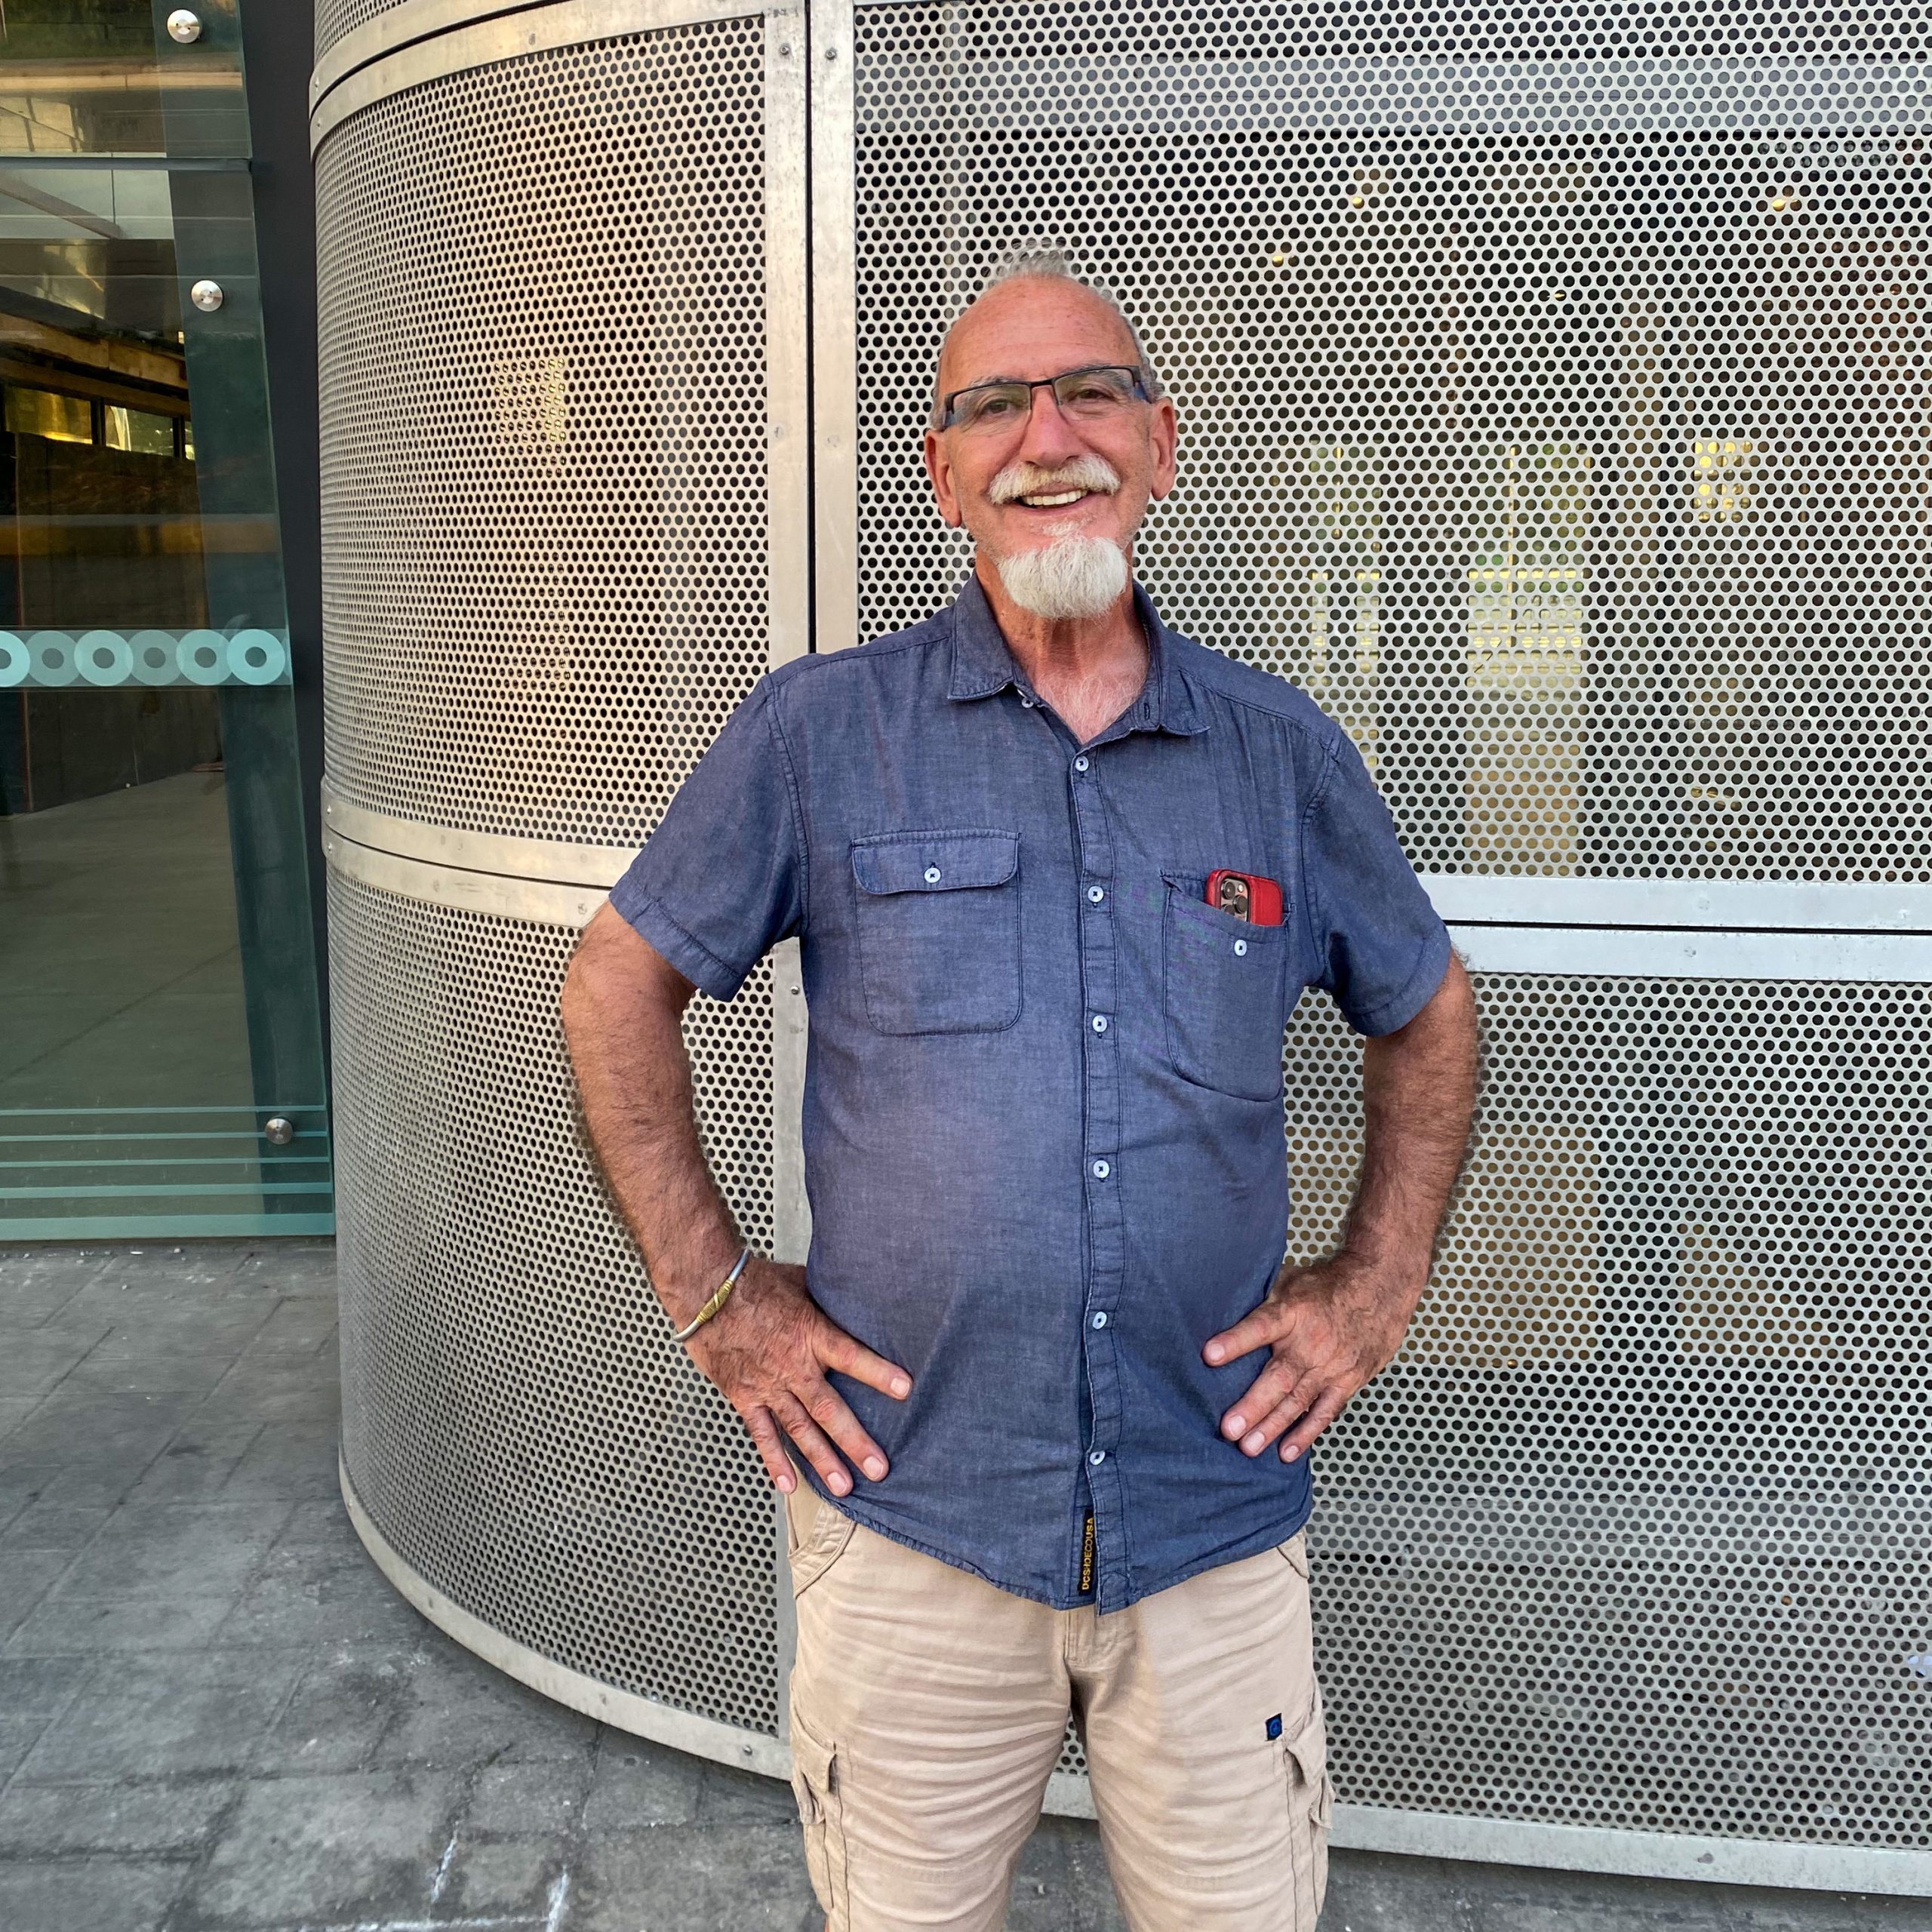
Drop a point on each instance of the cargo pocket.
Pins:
(815, 1784)
(938, 923)
(1311, 1808)
(1225, 982)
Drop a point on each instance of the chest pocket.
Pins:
(938, 930)
(1224, 988)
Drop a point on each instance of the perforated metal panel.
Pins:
(1552, 406)
(546, 585)
(517, 1420)
(1551, 382)
(1632, 1534)
(544, 472)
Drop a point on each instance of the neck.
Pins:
(1090, 669)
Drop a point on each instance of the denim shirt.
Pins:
(1043, 1130)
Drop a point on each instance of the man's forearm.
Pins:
(622, 1009)
(1418, 1087)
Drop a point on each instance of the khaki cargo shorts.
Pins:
(928, 1709)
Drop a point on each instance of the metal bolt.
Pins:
(277, 1131)
(207, 296)
(184, 26)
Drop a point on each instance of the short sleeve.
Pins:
(1378, 946)
(722, 881)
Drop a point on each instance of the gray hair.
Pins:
(1038, 261)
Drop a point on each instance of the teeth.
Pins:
(1053, 503)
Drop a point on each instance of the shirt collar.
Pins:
(982, 665)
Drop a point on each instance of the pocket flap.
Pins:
(1309, 1747)
(812, 1760)
(934, 861)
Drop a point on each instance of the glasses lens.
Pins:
(1088, 393)
(991, 406)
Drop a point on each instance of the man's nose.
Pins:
(1049, 439)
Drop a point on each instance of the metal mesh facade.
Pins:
(518, 1423)
(1631, 1533)
(544, 503)
(335, 18)
(1552, 396)
(1551, 383)
(544, 476)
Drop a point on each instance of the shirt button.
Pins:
(1026, 704)
(1095, 894)
(1100, 1022)
(932, 878)
(1096, 1456)
(1080, 765)
(1240, 944)
(1101, 1171)
(1100, 1319)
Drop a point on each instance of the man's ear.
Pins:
(1164, 431)
(939, 470)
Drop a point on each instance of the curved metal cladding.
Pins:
(543, 287)
(1553, 409)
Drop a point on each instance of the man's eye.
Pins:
(994, 405)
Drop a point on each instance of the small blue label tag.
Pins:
(1275, 1727)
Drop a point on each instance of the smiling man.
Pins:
(1059, 876)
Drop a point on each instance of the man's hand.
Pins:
(1330, 1330)
(768, 1350)
(1333, 1328)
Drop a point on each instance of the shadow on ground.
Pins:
(216, 1716)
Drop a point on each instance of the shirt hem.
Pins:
(1235, 1552)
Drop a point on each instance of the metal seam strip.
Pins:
(1357, 1827)
(485, 43)
(536, 901)
(552, 860)
(556, 872)
(396, 27)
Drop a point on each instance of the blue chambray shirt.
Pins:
(1044, 1133)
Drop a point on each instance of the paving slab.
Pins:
(701, 1879)
(175, 1816)
(26, 1577)
(88, 1626)
(361, 1847)
(92, 1895)
(165, 1550)
(638, 1786)
(37, 1281)
(144, 1717)
(33, 1361)
(198, 1462)
(53, 1526)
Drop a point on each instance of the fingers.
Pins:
(1319, 1416)
(1274, 1388)
(837, 1349)
(770, 1447)
(813, 1443)
(827, 1408)
(1255, 1329)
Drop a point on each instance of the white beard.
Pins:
(1072, 576)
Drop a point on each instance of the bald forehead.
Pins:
(1036, 325)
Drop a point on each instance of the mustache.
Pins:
(1023, 479)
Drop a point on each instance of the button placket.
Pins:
(1105, 1221)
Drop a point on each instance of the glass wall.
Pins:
(161, 1059)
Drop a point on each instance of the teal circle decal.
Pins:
(105, 657)
(203, 656)
(155, 660)
(257, 657)
(16, 660)
(53, 654)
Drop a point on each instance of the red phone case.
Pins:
(1264, 896)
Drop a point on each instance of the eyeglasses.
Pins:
(1085, 395)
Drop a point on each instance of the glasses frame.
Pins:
(949, 407)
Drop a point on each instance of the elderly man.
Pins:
(1059, 876)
